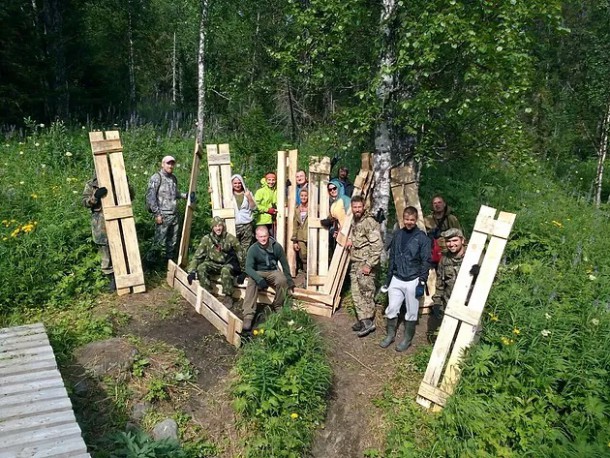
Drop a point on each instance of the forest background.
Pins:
(505, 103)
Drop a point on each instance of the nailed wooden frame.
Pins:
(318, 236)
(118, 214)
(461, 320)
(219, 170)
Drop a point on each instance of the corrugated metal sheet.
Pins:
(36, 417)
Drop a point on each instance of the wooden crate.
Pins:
(462, 316)
(116, 207)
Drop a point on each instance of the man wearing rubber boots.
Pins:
(407, 275)
(365, 247)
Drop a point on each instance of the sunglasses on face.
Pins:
(332, 189)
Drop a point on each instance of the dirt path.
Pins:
(360, 367)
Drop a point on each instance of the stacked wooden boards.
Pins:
(36, 417)
(116, 207)
(465, 307)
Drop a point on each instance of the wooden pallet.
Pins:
(116, 206)
(219, 168)
(288, 162)
(185, 239)
(318, 236)
(36, 417)
(462, 320)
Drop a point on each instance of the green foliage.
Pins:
(283, 381)
(141, 445)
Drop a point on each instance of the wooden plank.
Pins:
(459, 317)
(219, 159)
(104, 146)
(434, 394)
(45, 405)
(280, 217)
(28, 329)
(292, 166)
(185, 237)
(227, 189)
(219, 171)
(118, 212)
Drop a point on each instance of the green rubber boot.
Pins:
(391, 332)
(408, 337)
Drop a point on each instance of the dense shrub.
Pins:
(283, 381)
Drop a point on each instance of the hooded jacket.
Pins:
(243, 212)
(265, 198)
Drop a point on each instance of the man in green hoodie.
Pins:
(266, 201)
(262, 267)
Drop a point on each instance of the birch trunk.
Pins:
(174, 72)
(132, 65)
(602, 151)
(382, 157)
(205, 4)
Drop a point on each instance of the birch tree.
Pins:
(205, 5)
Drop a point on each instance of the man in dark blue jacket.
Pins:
(407, 275)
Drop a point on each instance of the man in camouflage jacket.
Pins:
(161, 200)
(365, 247)
(447, 273)
(218, 253)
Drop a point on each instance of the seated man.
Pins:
(217, 253)
(262, 267)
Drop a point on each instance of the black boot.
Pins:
(357, 326)
(368, 326)
(391, 332)
(408, 337)
(111, 283)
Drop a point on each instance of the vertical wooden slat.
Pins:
(185, 239)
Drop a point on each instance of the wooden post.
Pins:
(291, 171)
(188, 214)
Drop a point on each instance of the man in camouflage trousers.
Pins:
(218, 253)
(161, 200)
(447, 273)
(365, 247)
(92, 199)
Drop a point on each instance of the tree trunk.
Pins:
(205, 4)
(174, 72)
(384, 138)
(602, 151)
(131, 63)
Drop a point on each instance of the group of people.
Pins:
(253, 253)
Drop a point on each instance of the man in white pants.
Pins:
(410, 253)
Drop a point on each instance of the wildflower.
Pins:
(22, 182)
(83, 127)
(592, 277)
(595, 322)
(255, 332)
(44, 166)
(545, 333)
(291, 323)
(557, 223)
(294, 415)
(74, 192)
(15, 233)
(36, 144)
(34, 196)
(547, 316)
(493, 316)
(4, 239)
(41, 125)
(20, 152)
(516, 331)
(68, 153)
(27, 228)
(506, 341)
(261, 331)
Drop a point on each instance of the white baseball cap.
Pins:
(167, 159)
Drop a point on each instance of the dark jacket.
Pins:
(412, 262)
(266, 260)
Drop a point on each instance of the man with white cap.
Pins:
(161, 200)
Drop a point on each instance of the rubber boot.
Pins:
(368, 326)
(408, 337)
(357, 326)
(391, 332)
(248, 319)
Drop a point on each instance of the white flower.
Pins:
(545, 333)
(594, 321)
(83, 127)
(41, 125)
(36, 144)
(74, 192)
(44, 166)
(22, 182)
(20, 152)
(547, 316)
(592, 277)
(68, 153)
(291, 323)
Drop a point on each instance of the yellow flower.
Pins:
(557, 223)
(493, 316)
(507, 341)
(516, 331)
(15, 232)
(595, 322)
(255, 332)
(262, 331)
(294, 415)
(34, 196)
(28, 228)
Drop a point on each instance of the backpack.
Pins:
(437, 251)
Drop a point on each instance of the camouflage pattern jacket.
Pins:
(98, 224)
(366, 241)
(447, 273)
(218, 250)
(162, 194)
